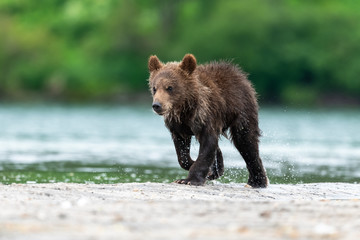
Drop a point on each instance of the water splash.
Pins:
(108, 144)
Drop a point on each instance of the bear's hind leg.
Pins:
(217, 169)
(247, 143)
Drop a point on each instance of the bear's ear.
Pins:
(188, 64)
(154, 63)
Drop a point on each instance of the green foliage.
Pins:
(295, 51)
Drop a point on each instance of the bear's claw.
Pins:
(189, 182)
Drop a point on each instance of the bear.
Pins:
(207, 101)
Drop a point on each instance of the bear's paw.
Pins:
(190, 182)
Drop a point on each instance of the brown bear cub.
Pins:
(206, 101)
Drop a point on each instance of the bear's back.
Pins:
(226, 78)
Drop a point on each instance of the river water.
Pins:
(111, 144)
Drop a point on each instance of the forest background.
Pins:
(299, 53)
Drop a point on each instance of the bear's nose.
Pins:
(157, 107)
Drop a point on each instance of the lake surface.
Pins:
(111, 144)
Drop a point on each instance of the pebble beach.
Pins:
(172, 211)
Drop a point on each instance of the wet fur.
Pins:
(206, 101)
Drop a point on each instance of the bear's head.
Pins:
(171, 84)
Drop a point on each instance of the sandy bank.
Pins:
(171, 211)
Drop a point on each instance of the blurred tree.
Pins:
(295, 51)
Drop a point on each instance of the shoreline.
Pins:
(173, 211)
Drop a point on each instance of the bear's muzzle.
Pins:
(157, 108)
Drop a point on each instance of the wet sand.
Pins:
(172, 211)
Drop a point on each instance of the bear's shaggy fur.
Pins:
(206, 101)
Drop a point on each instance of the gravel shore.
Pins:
(172, 211)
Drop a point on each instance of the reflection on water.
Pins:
(110, 144)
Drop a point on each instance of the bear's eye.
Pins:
(154, 90)
(169, 88)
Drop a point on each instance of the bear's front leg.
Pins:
(201, 167)
(182, 147)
